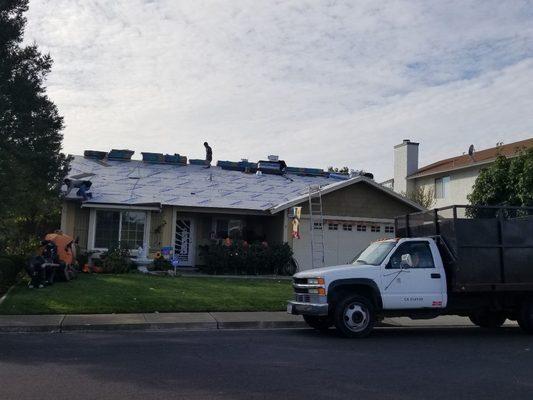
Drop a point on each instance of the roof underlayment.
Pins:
(139, 183)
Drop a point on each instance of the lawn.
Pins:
(137, 293)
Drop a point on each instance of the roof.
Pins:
(140, 184)
(479, 158)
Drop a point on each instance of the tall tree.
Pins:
(506, 182)
(31, 163)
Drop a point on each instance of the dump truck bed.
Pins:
(486, 248)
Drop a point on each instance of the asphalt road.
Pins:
(287, 364)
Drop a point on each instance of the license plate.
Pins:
(289, 308)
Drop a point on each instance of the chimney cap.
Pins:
(406, 142)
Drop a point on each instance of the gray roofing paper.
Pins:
(136, 182)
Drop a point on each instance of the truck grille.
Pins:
(302, 298)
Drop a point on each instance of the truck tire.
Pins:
(488, 319)
(354, 317)
(321, 324)
(525, 318)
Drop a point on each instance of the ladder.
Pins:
(316, 226)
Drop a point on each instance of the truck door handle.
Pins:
(435, 276)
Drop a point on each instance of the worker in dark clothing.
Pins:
(208, 155)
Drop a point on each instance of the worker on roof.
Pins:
(208, 155)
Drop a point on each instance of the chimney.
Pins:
(405, 164)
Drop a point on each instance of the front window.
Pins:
(119, 227)
(375, 253)
(232, 228)
(442, 187)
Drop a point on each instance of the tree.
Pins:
(343, 170)
(506, 182)
(423, 196)
(31, 163)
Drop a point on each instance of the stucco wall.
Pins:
(461, 183)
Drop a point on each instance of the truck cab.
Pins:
(394, 274)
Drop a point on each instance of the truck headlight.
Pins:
(320, 291)
(315, 281)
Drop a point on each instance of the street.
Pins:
(394, 363)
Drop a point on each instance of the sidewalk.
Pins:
(194, 321)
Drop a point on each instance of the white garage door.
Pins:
(343, 240)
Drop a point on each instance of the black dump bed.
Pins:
(483, 248)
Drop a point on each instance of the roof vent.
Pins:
(120, 155)
(94, 155)
(272, 167)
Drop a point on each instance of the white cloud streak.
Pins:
(318, 82)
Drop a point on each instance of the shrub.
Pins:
(10, 267)
(116, 261)
(240, 258)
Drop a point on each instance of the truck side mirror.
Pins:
(406, 261)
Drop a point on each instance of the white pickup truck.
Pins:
(488, 278)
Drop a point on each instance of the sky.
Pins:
(318, 83)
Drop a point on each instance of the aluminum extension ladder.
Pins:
(316, 226)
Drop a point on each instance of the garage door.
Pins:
(343, 240)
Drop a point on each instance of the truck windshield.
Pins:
(375, 253)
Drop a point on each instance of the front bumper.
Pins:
(297, 308)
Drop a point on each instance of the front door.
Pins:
(184, 241)
(410, 280)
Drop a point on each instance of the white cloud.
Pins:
(318, 82)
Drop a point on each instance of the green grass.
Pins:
(135, 293)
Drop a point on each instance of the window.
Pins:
(361, 228)
(419, 254)
(119, 227)
(389, 229)
(317, 225)
(333, 227)
(347, 227)
(375, 228)
(231, 228)
(442, 187)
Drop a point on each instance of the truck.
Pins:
(471, 261)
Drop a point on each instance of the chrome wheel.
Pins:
(356, 317)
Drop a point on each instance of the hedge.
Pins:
(241, 258)
(10, 267)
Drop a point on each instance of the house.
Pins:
(165, 201)
(450, 180)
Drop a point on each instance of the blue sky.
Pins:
(318, 82)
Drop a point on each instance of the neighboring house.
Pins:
(451, 180)
(156, 205)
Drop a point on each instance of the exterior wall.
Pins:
(75, 222)
(361, 200)
(357, 204)
(461, 183)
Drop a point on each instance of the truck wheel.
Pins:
(525, 318)
(488, 319)
(321, 324)
(354, 317)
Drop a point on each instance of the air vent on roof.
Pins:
(120, 155)
(95, 155)
(272, 167)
